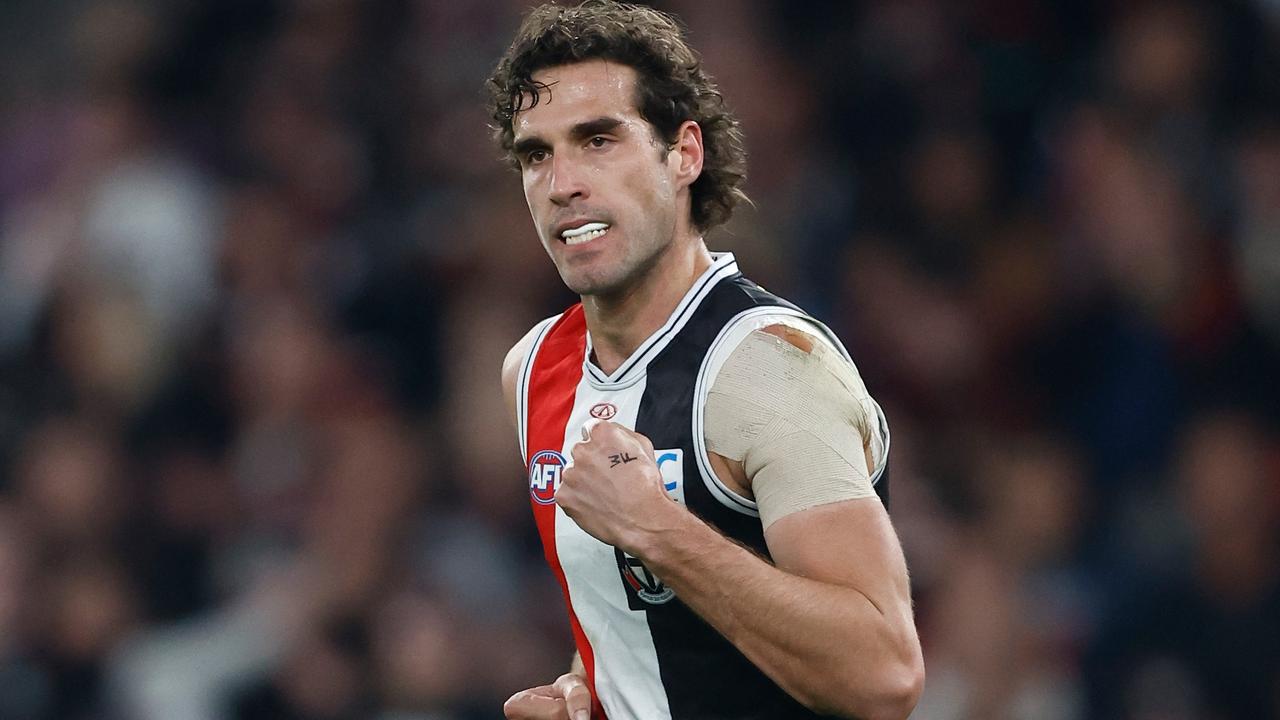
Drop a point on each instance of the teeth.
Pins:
(595, 229)
(586, 236)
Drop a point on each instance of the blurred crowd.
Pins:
(260, 263)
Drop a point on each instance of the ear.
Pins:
(687, 152)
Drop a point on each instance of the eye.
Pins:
(535, 156)
(598, 141)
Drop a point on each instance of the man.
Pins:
(701, 453)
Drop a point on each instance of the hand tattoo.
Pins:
(620, 459)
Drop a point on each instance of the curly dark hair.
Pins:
(671, 87)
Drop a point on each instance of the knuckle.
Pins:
(569, 680)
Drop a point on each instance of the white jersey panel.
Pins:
(628, 682)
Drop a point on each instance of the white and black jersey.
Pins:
(647, 655)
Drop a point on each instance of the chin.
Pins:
(588, 287)
(586, 278)
(582, 284)
(602, 276)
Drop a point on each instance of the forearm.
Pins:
(827, 645)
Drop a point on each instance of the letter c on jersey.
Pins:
(545, 469)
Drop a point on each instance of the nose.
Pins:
(567, 181)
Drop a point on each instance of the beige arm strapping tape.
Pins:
(800, 422)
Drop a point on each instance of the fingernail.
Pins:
(581, 715)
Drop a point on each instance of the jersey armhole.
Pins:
(522, 384)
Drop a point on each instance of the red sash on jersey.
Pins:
(553, 382)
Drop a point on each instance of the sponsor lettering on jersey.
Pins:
(545, 470)
(671, 465)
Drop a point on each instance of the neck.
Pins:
(620, 322)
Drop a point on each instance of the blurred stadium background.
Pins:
(259, 264)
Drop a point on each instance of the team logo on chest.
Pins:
(647, 586)
(644, 583)
(545, 469)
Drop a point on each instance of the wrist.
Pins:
(654, 534)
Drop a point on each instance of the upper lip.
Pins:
(559, 229)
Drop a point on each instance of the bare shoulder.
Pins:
(511, 367)
(794, 336)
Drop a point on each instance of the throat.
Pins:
(609, 356)
(620, 323)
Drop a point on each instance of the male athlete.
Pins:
(703, 458)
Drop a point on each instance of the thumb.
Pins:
(577, 697)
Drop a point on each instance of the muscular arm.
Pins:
(830, 621)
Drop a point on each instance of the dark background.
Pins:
(259, 265)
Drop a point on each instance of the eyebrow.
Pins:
(580, 131)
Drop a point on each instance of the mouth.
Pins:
(584, 233)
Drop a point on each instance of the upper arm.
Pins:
(789, 420)
(851, 544)
(511, 371)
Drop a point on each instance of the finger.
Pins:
(566, 483)
(588, 426)
(577, 697)
(534, 705)
(647, 445)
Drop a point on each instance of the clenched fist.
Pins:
(613, 489)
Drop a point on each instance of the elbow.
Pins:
(892, 695)
(898, 694)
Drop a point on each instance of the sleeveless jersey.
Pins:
(646, 654)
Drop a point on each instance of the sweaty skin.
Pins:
(587, 155)
(830, 620)
(838, 576)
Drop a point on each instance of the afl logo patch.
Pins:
(604, 411)
(544, 476)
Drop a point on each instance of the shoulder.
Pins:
(801, 339)
(790, 332)
(515, 359)
(791, 353)
(788, 363)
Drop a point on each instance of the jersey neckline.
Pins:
(723, 265)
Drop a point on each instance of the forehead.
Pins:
(577, 92)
